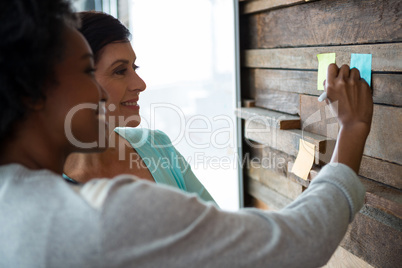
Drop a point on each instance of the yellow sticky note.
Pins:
(304, 160)
(324, 60)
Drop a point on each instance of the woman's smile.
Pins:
(116, 73)
(131, 104)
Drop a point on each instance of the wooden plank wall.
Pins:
(279, 43)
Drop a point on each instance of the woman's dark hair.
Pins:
(101, 29)
(31, 43)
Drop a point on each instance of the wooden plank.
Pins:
(270, 118)
(278, 100)
(285, 140)
(294, 81)
(378, 195)
(384, 140)
(276, 160)
(386, 87)
(248, 103)
(317, 118)
(263, 5)
(386, 57)
(380, 143)
(381, 171)
(312, 174)
(366, 233)
(273, 160)
(383, 197)
(325, 23)
(256, 203)
(343, 258)
(274, 180)
(273, 199)
(374, 242)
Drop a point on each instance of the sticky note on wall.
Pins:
(304, 160)
(324, 60)
(362, 62)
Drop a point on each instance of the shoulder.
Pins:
(159, 137)
(128, 191)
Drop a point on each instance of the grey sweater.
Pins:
(126, 222)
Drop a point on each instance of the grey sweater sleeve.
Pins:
(145, 225)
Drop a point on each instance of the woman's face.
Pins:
(71, 106)
(116, 73)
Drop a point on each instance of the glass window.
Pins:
(185, 50)
(186, 53)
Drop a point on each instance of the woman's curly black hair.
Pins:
(101, 29)
(31, 42)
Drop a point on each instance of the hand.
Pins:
(349, 97)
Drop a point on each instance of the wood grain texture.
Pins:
(256, 203)
(383, 197)
(274, 180)
(386, 87)
(312, 174)
(278, 100)
(274, 160)
(273, 199)
(374, 242)
(317, 118)
(270, 118)
(379, 196)
(279, 46)
(384, 140)
(386, 57)
(381, 171)
(344, 259)
(325, 22)
(248, 103)
(248, 7)
(285, 140)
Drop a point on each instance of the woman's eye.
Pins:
(121, 71)
(135, 67)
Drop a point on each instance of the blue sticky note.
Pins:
(362, 62)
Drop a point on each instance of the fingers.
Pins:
(355, 74)
(344, 72)
(332, 73)
(365, 86)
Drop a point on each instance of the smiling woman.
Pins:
(145, 153)
(116, 72)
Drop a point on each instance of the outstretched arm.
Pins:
(350, 98)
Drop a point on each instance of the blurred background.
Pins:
(186, 53)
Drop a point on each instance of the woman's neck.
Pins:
(35, 149)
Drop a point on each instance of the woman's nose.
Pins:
(136, 83)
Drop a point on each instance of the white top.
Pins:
(125, 222)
